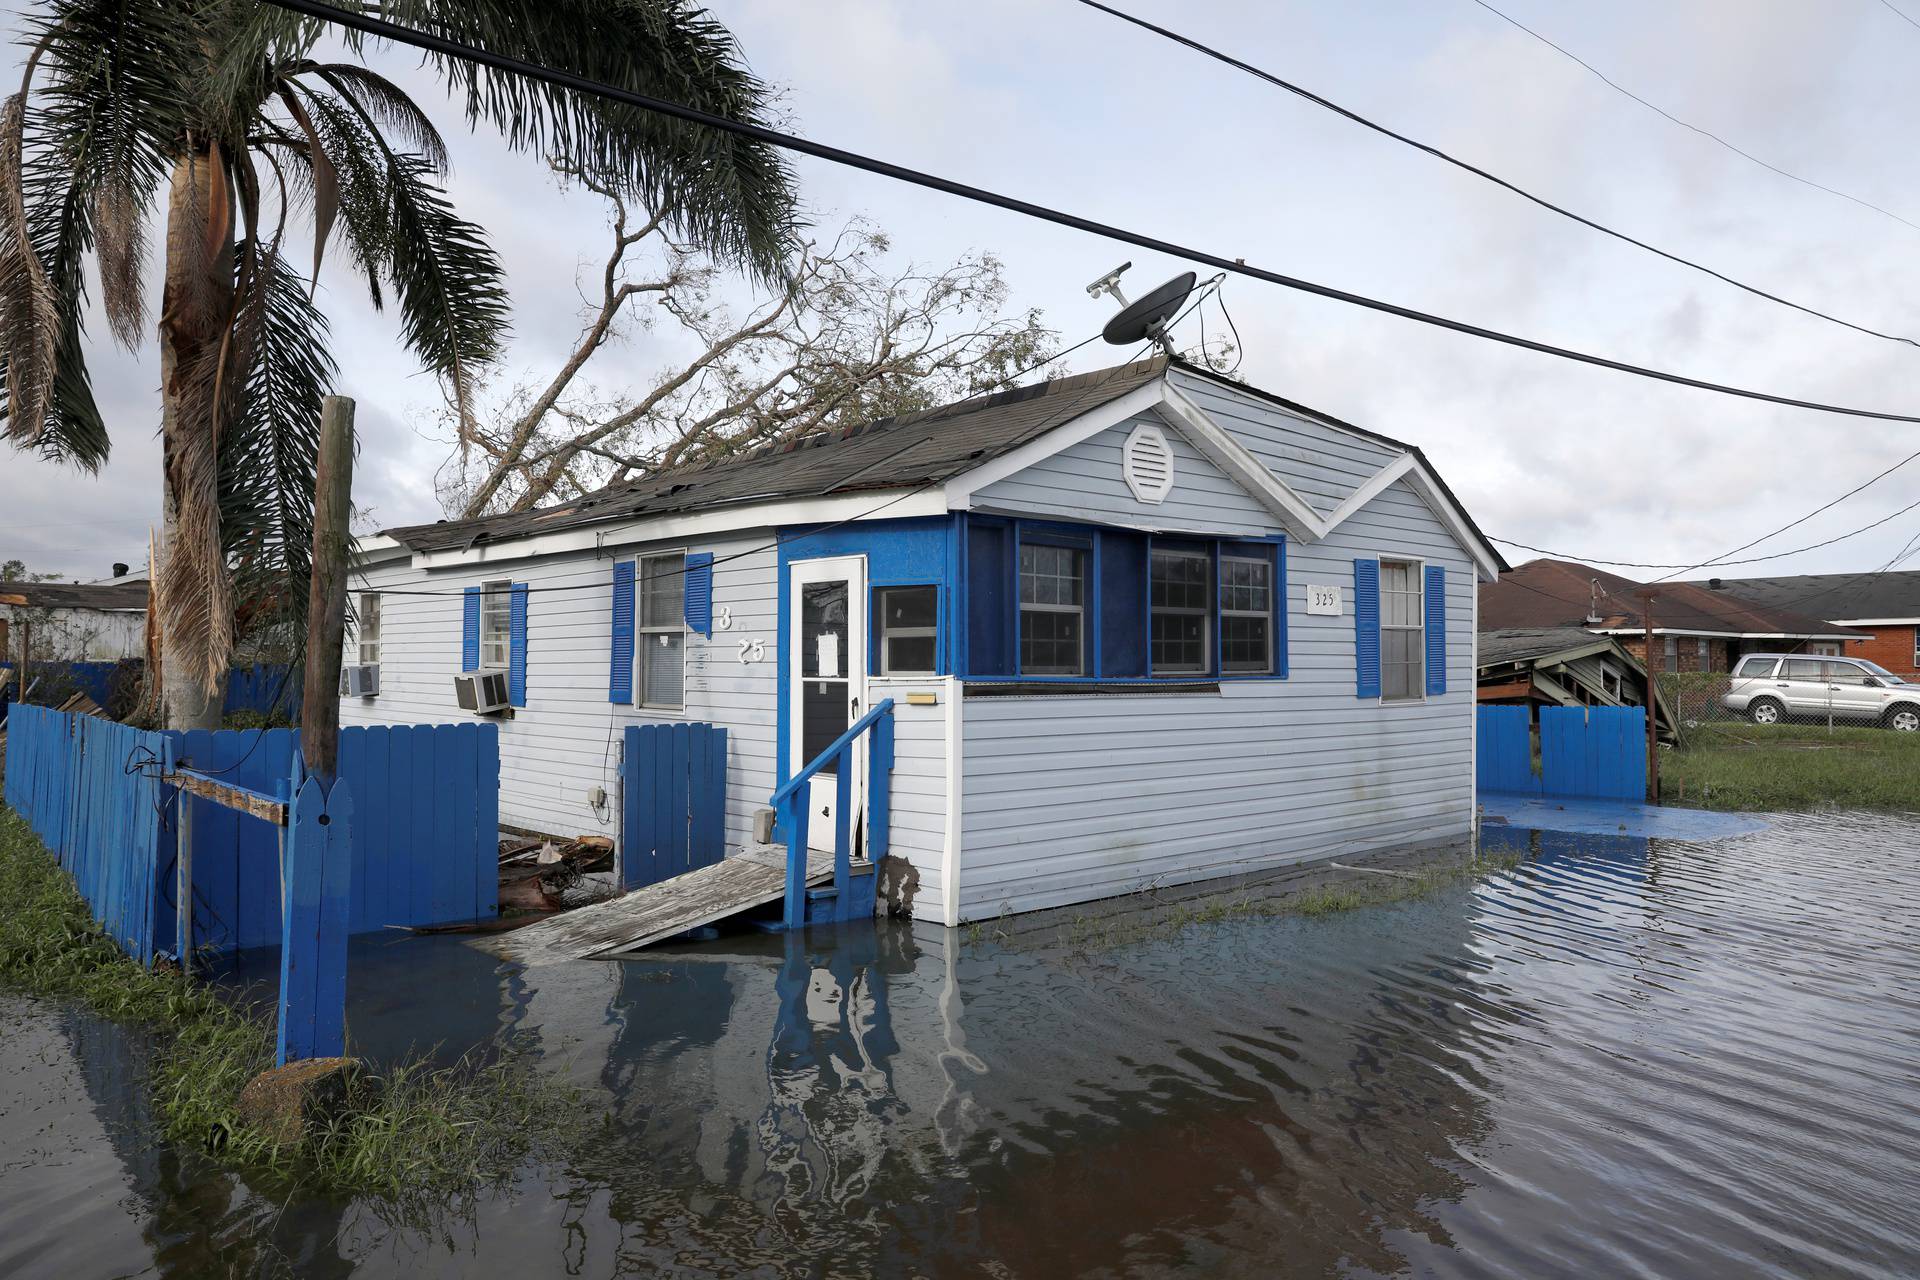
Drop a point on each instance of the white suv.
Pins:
(1770, 687)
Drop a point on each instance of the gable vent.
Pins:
(1146, 463)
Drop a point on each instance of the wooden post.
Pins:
(327, 599)
(1653, 704)
(26, 656)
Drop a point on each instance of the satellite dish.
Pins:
(1148, 317)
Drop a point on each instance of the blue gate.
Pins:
(1588, 752)
(674, 801)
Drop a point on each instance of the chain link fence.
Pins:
(1794, 692)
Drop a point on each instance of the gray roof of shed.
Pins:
(1833, 595)
(912, 449)
(1523, 644)
(75, 595)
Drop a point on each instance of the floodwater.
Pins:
(1624, 1058)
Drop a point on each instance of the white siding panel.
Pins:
(1068, 799)
(1322, 464)
(1084, 482)
(567, 738)
(919, 795)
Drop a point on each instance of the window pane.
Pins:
(663, 669)
(1247, 586)
(663, 591)
(908, 607)
(1050, 642)
(1178, 642)
(1243, 643)
(1178, 580)
(1753, 667)
(1801, 669)
(1845, 673)
(823, 630)
(1051, 575)
(1402, 668)
(907, 655)
(905, 618)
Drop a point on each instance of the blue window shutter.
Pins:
(517, 655)
(1280, 608)
(699, 606)
(1436, 605)
(1366, 628)
(470, 631)
(620, 668)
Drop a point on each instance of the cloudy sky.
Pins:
(1059, 104)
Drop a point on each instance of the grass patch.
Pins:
(1790, 767)
(403, 1132)
(1359, 887)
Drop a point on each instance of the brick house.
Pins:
(1885, 606)
(1695, 627)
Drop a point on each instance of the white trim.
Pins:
(614, 537)
(1875, 622)
(950, 852)
(1427, 487)
(960, 490)
(1728, 635)
(1223, 529)
(1375, 485)
(1219, 447)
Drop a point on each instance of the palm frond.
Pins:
(733, 196)
(29, 313)
(385, 104)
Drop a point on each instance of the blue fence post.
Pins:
(793, 820)
(880, 788)
(314, 920)
(843, 834)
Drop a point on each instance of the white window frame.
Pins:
(889, 634)
(1220, 591)
(1417, 589)
(1082, 561)
(1916, 646)
(1672, 648)
(367, 632)
(1204, 613)
(496, 606)
(642, 630)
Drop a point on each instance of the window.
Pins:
(1053, 592)
(906, 618)
(663, 631)
(1246, 615)
(1700, 652)
(1807, 669)
(496, 624)
(369, 629)
(1673, 654)
(1845, 673)
(1179, 607)
(1756, 668)
(1403, 648)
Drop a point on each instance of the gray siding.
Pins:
(919, 782)
(1084, 482)
(566, 740)
(1322, 464)
(1068, 799)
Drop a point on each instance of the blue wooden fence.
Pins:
(90, 789)
(116, 685)
(425, 832)
(674, 811)
(1588, 752)
(253, 689)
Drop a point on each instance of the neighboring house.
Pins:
(1563, 666)
(74, 621)
(1883, 606)
(1694, 629)
(1141, 627)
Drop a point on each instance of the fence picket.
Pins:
(674, 789)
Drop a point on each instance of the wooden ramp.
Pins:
(750, 878)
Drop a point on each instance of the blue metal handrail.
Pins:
(789, 804)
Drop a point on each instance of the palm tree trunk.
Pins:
(195, 308)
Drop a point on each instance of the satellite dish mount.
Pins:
(1147, 318)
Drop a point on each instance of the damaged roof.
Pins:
(915, 449)
(75, 595)
(1530, 644)
(1561, 593)
(1857, 597)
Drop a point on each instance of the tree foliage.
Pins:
(225, 112)
(847, 337)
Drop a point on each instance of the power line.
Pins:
(1718, 561)
(1479, 172)
(383, 29)
(1900, 13)
(1705, 133)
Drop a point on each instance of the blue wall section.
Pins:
(1588, 752)
(900, 553)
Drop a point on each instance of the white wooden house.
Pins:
(1141, 627)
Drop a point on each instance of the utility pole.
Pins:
(1653, 702)
(327, 598)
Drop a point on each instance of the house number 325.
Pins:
(753, 651)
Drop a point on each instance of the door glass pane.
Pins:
(823, 630)
(823, 717)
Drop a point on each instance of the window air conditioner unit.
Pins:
(481, 692)
(361, 681)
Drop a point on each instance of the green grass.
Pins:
(1793, 767)
(1360, 888)
(403, 1132)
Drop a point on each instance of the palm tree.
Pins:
(230, 109)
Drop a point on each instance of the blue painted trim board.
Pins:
(1366, 628)
(517, 648)
(1434, 602)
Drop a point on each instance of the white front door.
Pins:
(826, 657)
